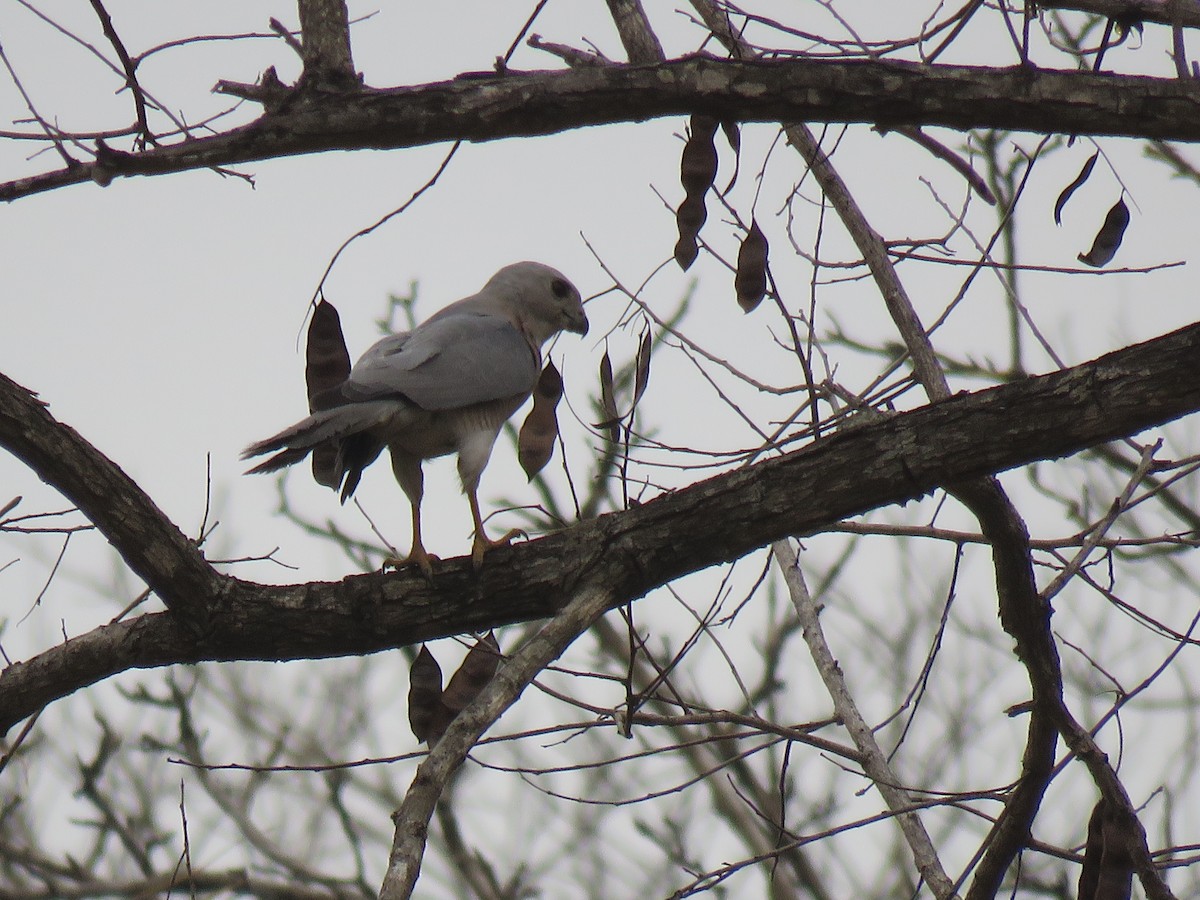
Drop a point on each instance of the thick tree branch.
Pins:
(638, 38)
(170, 564)
(1164, 12)
(325, 35)
(998, 518)
(714, 521)
(480, 108)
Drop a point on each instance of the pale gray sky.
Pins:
(159, 316)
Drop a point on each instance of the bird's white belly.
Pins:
(426, 435)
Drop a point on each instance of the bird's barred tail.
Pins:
(296, 442)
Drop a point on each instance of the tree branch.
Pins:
(1164, 12)
(412, 818)
(638, 38)
(151, 545)
(721, 519)
(480, 108)
(998, 518)
(875, 762)
(325, 36)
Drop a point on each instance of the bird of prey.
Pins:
(447, 386)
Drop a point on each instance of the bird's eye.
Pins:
(560, 288)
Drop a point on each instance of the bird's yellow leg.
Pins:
(482, 542)
(418, 555)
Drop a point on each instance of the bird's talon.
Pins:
(484, 544)
(422, 560)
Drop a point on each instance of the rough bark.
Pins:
(325, 26)
(1166, 12)
(860, 468)
(485, 106)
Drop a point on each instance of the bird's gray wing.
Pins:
(447, 363)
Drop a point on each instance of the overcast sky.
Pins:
(159, 316)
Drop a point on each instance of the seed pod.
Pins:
(1073, 187)
(608, 402)
(732, 134)
(690, 219)
(476, 671)
(327, 363)
(750, 282)
(641, 375)
(697, 169)
(698, 166)
(535, 443)
(1107, 863)
(426, 712)
(1108, 239)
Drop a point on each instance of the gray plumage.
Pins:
(448, 386)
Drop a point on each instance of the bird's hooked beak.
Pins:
(577, 321)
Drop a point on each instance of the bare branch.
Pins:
(1165, 12)
(641, 45)
(412, 818)
(477, 108)
(130, 69)
(875, 763)
(859, 468)
(149, 542)
(325, 35)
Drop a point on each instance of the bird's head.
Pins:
(542, 298)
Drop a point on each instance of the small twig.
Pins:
(203, 533)
(375, 530)
(516, 42)
(875, 763)
(572, 56)
(20, 739)
(1101, 528)
(51, 133)
(131, 606)
(49, 578)
(130, 67)
(948, 156)
(1179, 52)
(289, 37)
(363, 232)
(187, 844)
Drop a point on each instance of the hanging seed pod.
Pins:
(476, 671)
(535, 442)
(698, 166)
(690, 218)
(327, 364)
(697, 169)
(1108, 239)
(732, 134)
(427, 713)
(641, 376)
(1107, 864)
(608, 402)
(750, 282)
(1073, 187)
